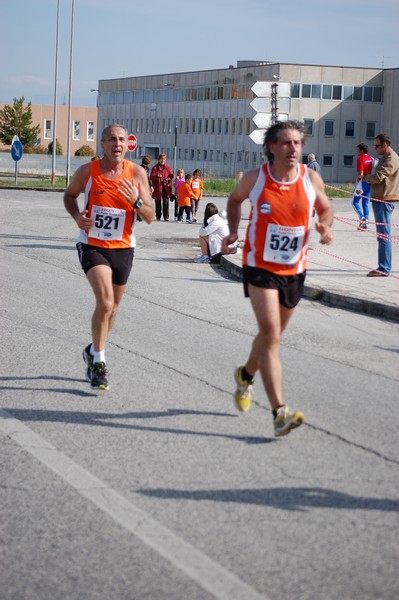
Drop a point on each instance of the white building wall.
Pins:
(220, 153)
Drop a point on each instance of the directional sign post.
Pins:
(273, 102)
(131, 143)
(16, 154)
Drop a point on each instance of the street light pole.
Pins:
(174, 152)
(54, 150)
(68, 167)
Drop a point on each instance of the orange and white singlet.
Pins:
(113, 216)
(279, 223)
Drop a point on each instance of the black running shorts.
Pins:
(120, 260)
(290, 287)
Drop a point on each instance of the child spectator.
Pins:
(184, 198)
(211, 235)
(197, 187)
(178, 180)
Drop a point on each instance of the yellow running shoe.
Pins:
(243, 393)
(286, 420)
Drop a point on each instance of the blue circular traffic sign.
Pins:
(16, 150)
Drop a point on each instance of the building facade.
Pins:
(204, 119)
(83, 126)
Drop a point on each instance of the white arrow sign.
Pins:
(258, 135)
(262, 120)
(263, 89)
(262, 105)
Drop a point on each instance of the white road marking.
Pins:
(200, 568)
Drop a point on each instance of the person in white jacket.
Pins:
(211, 234)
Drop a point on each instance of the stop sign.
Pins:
(132, 142)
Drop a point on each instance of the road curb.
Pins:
(333, 299)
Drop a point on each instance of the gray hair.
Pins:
(272, 132)
(107, 129)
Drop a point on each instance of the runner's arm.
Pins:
(323, 208)
(74, 189)
(233, 208)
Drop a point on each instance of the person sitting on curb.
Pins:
(211, 234)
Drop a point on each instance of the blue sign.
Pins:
(16, 150)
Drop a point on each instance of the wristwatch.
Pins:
(138, 203)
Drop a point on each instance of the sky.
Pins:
(128, 38)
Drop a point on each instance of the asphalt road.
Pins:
(159, 489)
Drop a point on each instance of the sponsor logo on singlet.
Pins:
(265, 208)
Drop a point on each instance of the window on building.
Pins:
(76, 130)
(186, 154)
(90, 131)
(350, 129)
(225, 158)
(337, 92)
(377, 94)
(158, 125)
(240, 126)
(226, 126)
(295, 88)
(198, 154)
(233, 126)
(308, 123)
(368, 93)
(219, 125)
(248, 130)
(211, 155)
(370, 129)
(192, 155)
(199, 125)
(205, 154)
(316, 90)
(348, 160)
(187, 125)
(48, 134)
(348, 92)
(306, 90)
(327, 91)
(327, 160)
(357, 93)
(217, 155)
(213, 123)
(328, 127)
(192, 125)
(206, 125)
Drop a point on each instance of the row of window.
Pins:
(321, 91)
(76, 130)
(187, 126)
(330, 91)
(241, 157)
(327, 160)
(234, 126)
(172, 94)
(329, 128)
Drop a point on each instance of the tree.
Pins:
(17, 120)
